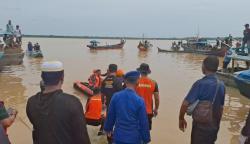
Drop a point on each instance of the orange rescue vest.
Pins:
(95, 81)
(145, 89)
(94, 108)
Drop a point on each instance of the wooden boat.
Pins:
(227, 77)
(144, 45)
(242, 81)
(12, 56)
(201, 46)
(94, 45)
(169, 51)
(35, 54)
(175, 47)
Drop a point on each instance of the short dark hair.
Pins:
(131, 80)
(211, 63)
(113, 68)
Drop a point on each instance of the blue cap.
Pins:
(132, 76)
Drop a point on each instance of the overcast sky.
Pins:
(154, 18)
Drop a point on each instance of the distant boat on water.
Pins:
(198, 46)
(144, 45)
(94, 45)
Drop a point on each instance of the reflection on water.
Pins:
(11, 90)
(142, 54)
(175, 74)
(236, 109)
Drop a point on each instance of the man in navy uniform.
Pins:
(127, 115)
(207, 88)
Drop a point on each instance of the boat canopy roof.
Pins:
(198, 41)
(94, 41)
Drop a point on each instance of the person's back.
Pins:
(52, 114)
(146, 89)
(57, 117)
(207, 86)
(30, 47)
(110, 85)
(94, 108)
(127, 115)
(209, 90)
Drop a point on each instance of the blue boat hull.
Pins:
(243, 86)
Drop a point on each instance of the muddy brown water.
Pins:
(175, 74)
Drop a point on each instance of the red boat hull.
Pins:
(83, 87)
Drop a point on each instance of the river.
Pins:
(175, 74)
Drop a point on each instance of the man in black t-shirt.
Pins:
(110, 85)
(57, 117)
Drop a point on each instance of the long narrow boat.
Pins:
(94, 45)
(220, 53)
(169, 51)
(228, 77)
(12, 56)
(35, 54)
(243, 82)
(202, 46)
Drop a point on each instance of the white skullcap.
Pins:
(52, 66)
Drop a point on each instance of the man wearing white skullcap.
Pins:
(57, 117)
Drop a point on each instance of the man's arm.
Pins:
(79, 128)
(156, 99)
(157, 102)
(191, 97)
(143, 121)
(5, 119)
(182, 121)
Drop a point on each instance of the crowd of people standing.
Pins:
(131, 103)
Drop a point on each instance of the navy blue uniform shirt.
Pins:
(127, 115)
(204, 89)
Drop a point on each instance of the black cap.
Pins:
(112, 68)
(246, 25)
(144, 68)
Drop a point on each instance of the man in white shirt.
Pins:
(18, 35)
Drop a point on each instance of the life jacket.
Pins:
(94, 81)
(94, 108)
(145, 89)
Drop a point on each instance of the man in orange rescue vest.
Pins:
(93, 112)
(95, 79)
(148, 88)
